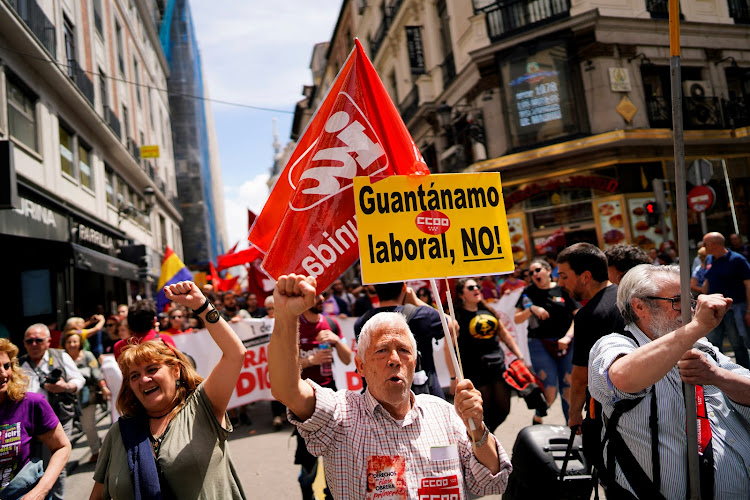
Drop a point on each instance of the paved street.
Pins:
(264, 458)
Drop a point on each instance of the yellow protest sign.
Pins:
(150, 151)
(415, 227)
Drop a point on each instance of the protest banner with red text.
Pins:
(308, 224)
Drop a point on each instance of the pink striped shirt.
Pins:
(361, 444)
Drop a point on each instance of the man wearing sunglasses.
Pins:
(640, 373)
(53, 373)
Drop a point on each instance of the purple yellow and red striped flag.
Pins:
(173, 270)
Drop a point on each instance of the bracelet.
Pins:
(201, 308)
(484, 437)
(453, 378)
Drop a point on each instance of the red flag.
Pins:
(233, 249)
(237, 259)
(258, 281)
(308, 224)
(228, 284)
(250, 219)
(215, 279)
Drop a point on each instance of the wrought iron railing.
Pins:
(736, 112)
(449, 70)
(81, 79)
(740, 11)
(134, 149)
(409, 106)
(698, 113)
(37, 21)
(504, 18)
(112, 121)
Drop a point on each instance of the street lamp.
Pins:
(129, 210)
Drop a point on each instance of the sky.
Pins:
(256, 53)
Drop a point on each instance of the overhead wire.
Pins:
(137, 84)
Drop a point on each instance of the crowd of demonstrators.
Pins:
(53, 374)
(93, 392)
(31, 416)
(367, 439)
(728, 274)
(480, 332)
(167, 408)
(644, 369)
(319, 335)
(549, 310)
(424, 322)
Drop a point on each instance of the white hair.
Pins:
(38, 326)
(642, 281)
(381, 320)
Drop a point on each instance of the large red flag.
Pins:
(250, 219)
(215, 278)
(238, 258)
(308, 224)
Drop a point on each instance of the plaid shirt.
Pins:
(348, 429)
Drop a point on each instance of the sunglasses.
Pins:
(175, 317)
(34, 341)
(532, 272)
(111, 324)
(471, 288)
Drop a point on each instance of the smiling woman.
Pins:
(171, 437)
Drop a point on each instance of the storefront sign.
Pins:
(150, 151)
(701, 198)
(93, 238)
(34, 220)
(413, 227)
(574, 182)
(619, 80)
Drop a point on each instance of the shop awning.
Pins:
(97, 262)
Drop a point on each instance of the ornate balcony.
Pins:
(81, 79)
(505, 18)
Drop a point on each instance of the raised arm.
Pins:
(293, 295)
(641, 368)
(221, 382)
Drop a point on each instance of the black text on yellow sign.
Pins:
(416, 227)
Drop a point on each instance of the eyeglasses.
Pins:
(471, 288)
(34, 341)
(676, 302)
(532, 272)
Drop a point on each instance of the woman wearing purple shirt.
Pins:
(24, 416)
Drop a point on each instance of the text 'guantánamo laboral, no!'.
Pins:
(478, 242)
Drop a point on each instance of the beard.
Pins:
(661, 325)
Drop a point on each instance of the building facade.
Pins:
(196, 156)
(570, 100)
(85, 217)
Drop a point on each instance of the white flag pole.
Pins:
(448, 338)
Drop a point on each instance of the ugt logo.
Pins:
(347, 147)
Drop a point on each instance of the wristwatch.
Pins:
(201, 308)
(484, 437)
(212, 316)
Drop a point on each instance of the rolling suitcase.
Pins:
(548, 463)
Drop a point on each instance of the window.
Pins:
(84, 165)
(103, 89)
(163, 231)
(67, 162)
(70, 47)
(109, 184)
(136, 74)
(21, 113)
(125, 123)
(98, 17)
(122, 192)
(120, 47)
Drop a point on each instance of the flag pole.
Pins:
(448, 338)
(682, 236)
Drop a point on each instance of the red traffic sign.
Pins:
(701, 198)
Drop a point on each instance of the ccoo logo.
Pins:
(347, 147)
(432, 222)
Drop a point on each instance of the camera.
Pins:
(53, 376)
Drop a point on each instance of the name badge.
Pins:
(439, 453)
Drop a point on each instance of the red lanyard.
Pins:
(704, 425)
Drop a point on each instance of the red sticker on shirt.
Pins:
(439, 488)
(386, 478)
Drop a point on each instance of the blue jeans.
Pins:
(733, 326)
(554, 372)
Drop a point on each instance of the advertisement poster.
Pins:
(645, 236)
(612, 222)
